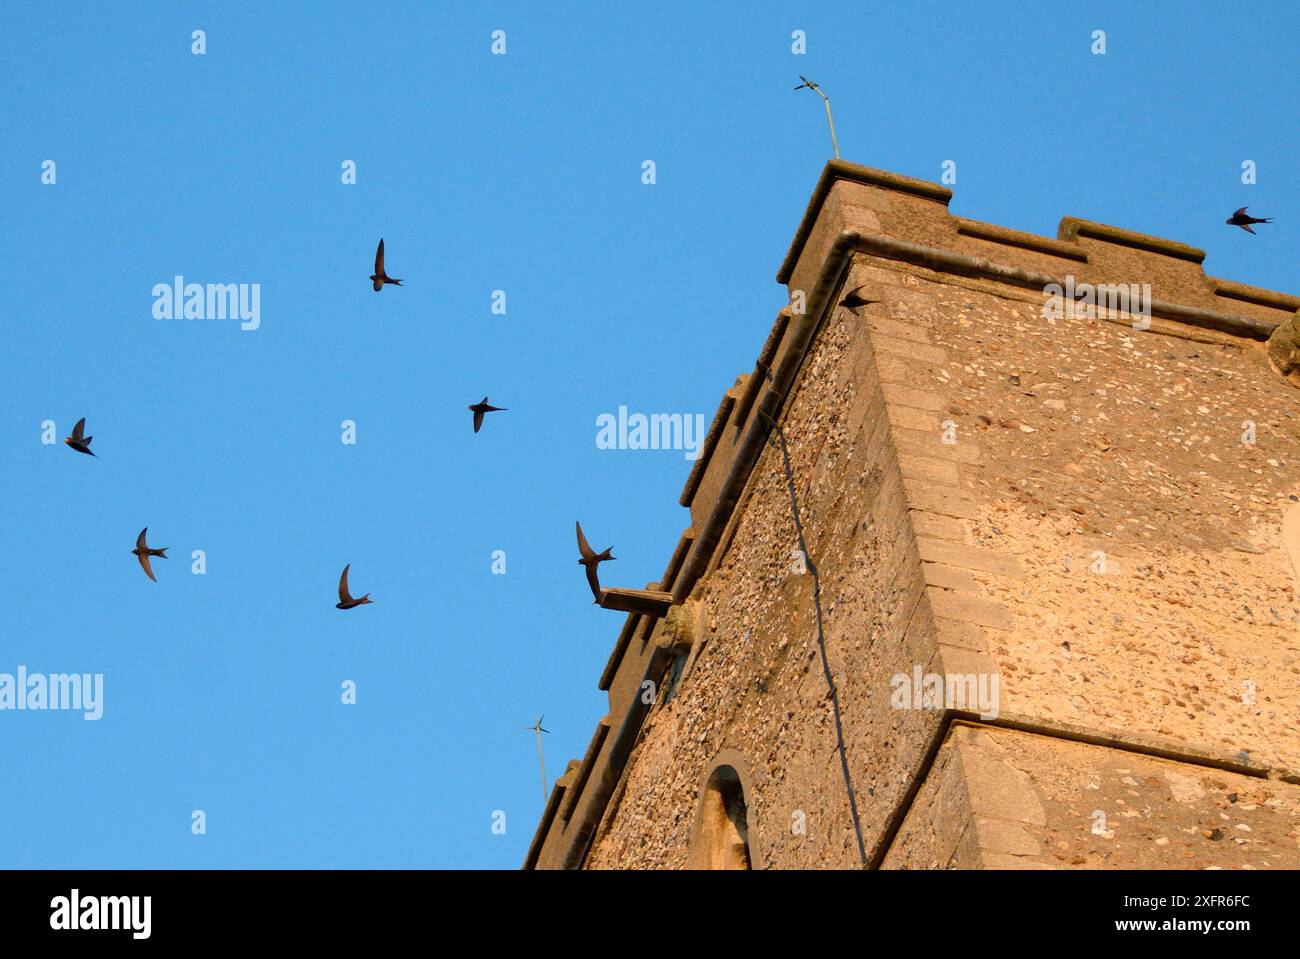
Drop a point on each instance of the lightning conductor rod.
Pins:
(830, 121)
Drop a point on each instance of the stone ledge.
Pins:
(1254, 294)
(1018, 238)
(1072, 227)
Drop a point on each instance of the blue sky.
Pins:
(521, 173)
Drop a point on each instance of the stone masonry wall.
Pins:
(1098, 536)
(754, 682)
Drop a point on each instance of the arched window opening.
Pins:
(723, 831)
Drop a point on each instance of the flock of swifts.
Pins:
(588, 557)
(80, 442)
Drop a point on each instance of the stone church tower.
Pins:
(1047, 617)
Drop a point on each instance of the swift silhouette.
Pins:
(79, 442)
(345, 598)
(479, 409)
(1241, 219)
(591, 559)
(143, 552)
(854, 299)
(380, 277)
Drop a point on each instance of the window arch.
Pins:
(723, 837)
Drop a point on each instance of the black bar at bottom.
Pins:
(545, 910)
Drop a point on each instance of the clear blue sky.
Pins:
(518, 172)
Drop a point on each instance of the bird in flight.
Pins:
(591, 559)
(380, 277)
(345, 598)
(79, 442)
(480, 409)
(854, 299)
(1241, 219)
(142, 552)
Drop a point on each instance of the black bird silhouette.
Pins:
(345, 598)
(481, 408)
(380, 277)
(854, 299)
(1241, 219)
(591, 559)
(79, 442)
(143, 552)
